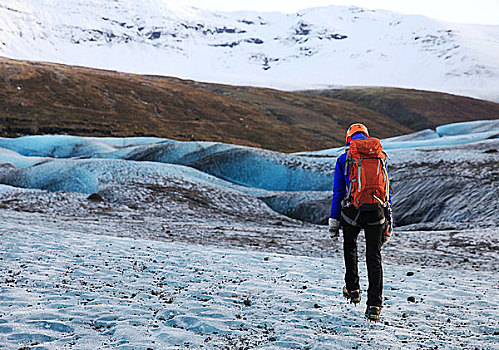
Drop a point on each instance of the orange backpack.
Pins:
(368, 186)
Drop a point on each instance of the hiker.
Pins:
(362, 200)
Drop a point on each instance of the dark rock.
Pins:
(231, 45)
(95, 197)
(6, 166)
(254, 41)
(155, 35)
(338, 36)
(302, 29)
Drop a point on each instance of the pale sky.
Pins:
(465, 11)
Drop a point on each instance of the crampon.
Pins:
(352, 295)
(372, 313)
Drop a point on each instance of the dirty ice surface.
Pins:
(64, 289)
(138, 243)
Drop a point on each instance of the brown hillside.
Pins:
(416, 109)
(43, 98)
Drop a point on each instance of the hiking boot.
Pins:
(372, 313)
(352, 295)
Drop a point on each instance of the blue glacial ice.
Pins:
(245, 166)
(92, 175)
(291, 184)
(445, 135)
(250, 167)
(8, 156)
(467, 128)
(59, 146)
(67, 146)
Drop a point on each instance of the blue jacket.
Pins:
(341, 181)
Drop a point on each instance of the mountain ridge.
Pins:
(48, 98)
(313, 48)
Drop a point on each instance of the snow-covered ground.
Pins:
(152, 243)
(314, 48)
(64, 288)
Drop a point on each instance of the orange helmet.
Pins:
(354, 129)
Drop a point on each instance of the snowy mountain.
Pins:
(315, 48)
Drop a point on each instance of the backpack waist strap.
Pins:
(353, 222)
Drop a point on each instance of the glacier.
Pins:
(148, 243)
(296, 185)
(314, 48)
(444, 135)
(74, 289)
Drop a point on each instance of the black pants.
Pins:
(374, 236)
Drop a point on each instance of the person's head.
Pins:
(356, 129)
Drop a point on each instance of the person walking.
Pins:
(362, 200)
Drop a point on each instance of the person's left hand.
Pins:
(387, 234)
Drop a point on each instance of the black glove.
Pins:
(387, 234)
